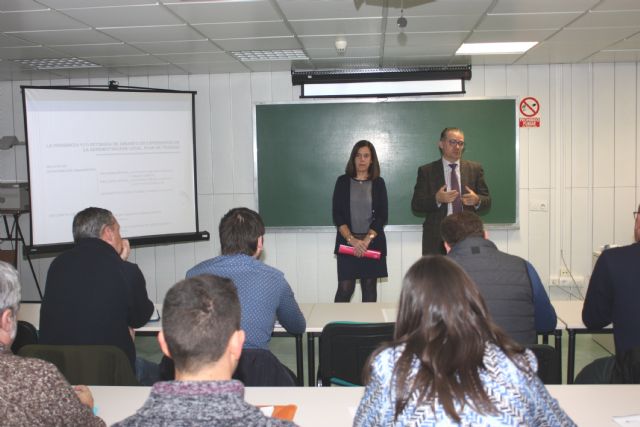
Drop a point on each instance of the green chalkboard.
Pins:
(302, 148)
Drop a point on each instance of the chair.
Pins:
(549, 369)
(345, 349)
(25, 335)
(256, 368)
(86, 364)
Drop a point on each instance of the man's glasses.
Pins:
(454, 142)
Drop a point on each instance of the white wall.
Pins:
(583, 161)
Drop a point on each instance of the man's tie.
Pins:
(455, 185)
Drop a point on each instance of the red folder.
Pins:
(350, 250)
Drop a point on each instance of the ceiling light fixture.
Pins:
(56, 63)
(494, 48)
(268, 55)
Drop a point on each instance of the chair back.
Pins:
(549, 369)
(345, 349)
(627, 367)
(25, 335)
(86, 364)
(261, 368)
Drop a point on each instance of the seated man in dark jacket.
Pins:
(93, 295)
(509, 285)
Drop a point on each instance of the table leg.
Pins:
(557, 343)
(571, 355)
(311, 358)
(299, 361)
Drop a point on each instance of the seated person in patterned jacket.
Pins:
(449, 364)
(201, 333)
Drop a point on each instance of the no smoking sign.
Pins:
(529, 108)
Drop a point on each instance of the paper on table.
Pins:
(628, 421)
(282, 412)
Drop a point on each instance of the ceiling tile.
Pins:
(266, 43)
(312, 27)
(425, 40)
(35, 52)
(434, 23)
(628, 18)
(60, 37)
(178, 46)
(618, 5)
(12, 41)
(632, 42)
(548, 6)
(97, 50)
(148, 70)
(353, 40)
(527, 21)
(260, 66)
(124, 16)
(619, 56)
(347, 63)
(598, 37)
(438, 8)
(352, 52)
(509, 36)
(244, 30)
(240, 11)
(215, 67)
(493, 59)
(329, 9)
(418, 60)
(16, 5)
(153, 34)
(124, 60)
(91, 73)
(556, 53)
(73, 4)
(186, 58)
(37, 20)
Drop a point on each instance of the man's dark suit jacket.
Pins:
(430, 180)
(613, 296)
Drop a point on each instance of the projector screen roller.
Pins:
(128, 151)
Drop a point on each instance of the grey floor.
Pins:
(588, 348)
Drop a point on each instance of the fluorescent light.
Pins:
(56, 63)
(382, 88)
(494, 48)
(268, 55)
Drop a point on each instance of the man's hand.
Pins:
(444, 196)
(84, 394)
(126, 249)
(470, 198)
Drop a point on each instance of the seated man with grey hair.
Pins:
(33, 392)
(201, 333)
(93, 295)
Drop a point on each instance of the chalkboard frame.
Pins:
(392, 227)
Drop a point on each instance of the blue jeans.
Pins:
(147, 372)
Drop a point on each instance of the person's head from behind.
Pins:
(97, 223)
(443, 321)
(9, 303)
(363, 159)
(241, 232)
(201, 327)
(459, 226)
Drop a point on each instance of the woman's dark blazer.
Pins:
(380, 211)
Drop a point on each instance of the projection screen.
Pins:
(129, 151)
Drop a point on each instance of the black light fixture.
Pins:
(382, 82)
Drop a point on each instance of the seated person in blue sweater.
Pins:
(201, 333)
(265, 296)
(449, 364)
(509, 284)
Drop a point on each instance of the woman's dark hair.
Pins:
(374, 167)
(444, 323)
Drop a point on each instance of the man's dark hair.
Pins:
(459, 226)
(445, 131)
(199, 316)
(90, 222)
(239, 231)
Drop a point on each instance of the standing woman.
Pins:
(360, 211)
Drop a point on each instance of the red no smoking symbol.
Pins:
(529, 106)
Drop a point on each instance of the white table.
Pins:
(587, 405)
(570, 313)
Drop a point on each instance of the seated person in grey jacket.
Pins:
(509, 284)
(201, 333)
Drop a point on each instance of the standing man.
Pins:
(264, 293)
(93, 295)
(613, 296)
(446, 186)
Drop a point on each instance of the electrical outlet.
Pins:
(564, 272)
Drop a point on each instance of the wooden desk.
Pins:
(587, 405)
(570, 313)
(324, 313)
(30, 312)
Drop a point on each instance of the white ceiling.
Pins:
(146, 37)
